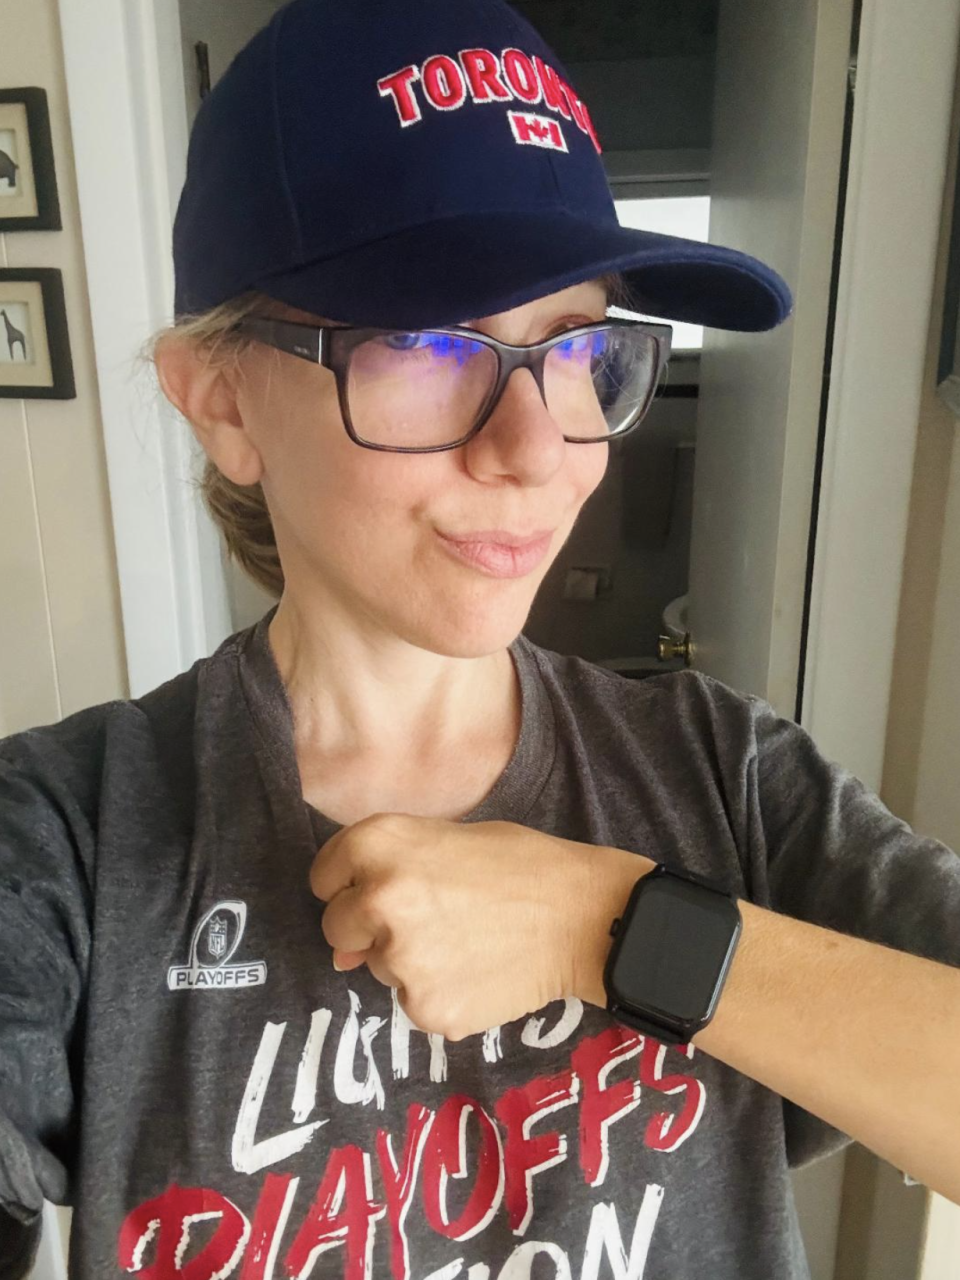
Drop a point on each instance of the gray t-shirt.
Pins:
(181, 1063)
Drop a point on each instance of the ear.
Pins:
(206, 394)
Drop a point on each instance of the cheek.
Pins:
(588, 468)
(358, 507)
(313, 469)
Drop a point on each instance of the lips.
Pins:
(498, 559)
(499, 537)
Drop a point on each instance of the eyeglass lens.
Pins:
(423, 389)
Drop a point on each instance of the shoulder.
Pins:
(71, 762)
(685, 696)
(78, 747)
(108, 755)
(65, 757)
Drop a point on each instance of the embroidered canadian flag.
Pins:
(537, 131)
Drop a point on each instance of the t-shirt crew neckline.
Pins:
(512, 796)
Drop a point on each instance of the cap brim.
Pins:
(478, 265)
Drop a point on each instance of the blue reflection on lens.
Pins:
(441, 345)
(595, 343)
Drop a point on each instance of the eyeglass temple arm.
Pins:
(302, 340)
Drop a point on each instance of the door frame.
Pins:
(126, 89)
(905, 77)
(128, 119)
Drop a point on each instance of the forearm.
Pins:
(865, 1037)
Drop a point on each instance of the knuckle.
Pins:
(379, 898)
(393, 898)
(384, 823)
(330, 925)
(420, 1009)
(380, 967)
(431, 1011)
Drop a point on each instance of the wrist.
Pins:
(612, 875)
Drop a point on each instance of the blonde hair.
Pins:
(240, 511)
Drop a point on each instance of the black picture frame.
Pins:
(39, 162)
(47, 339)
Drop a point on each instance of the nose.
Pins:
(524, 395)
(520, 437)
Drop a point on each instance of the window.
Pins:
(687, 216)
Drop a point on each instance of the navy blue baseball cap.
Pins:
(420, 163)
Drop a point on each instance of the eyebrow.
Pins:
(584, 309)
(463, 324)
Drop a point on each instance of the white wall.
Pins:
(885, 1220)
(61, 636)
(61, 644)
(922, 751)
(937, 802)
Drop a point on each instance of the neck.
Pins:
(355, 694)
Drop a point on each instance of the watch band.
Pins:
(669, 1026)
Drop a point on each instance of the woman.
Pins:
(308, 951)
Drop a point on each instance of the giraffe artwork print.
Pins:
(14, 338)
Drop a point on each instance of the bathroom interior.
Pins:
(616, 594)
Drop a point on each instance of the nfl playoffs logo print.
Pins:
(214, 944)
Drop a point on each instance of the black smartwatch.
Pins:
(672, 951)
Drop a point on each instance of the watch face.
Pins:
(675, 943)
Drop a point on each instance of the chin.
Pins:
(476, 632)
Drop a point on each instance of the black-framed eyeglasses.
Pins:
(428, 390)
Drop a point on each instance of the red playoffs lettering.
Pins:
(168, 1218)
(607, 1249)
(484, 76)
(568, 1115)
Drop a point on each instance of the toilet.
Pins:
(675, 618)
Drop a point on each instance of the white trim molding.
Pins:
(905, 78)
(129, 125)
(898, 159)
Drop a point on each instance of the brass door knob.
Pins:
(670, 649)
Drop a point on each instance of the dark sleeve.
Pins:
(45, 857)
(18, 1247)
(833, 854)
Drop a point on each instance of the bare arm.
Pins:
(865, 1037)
